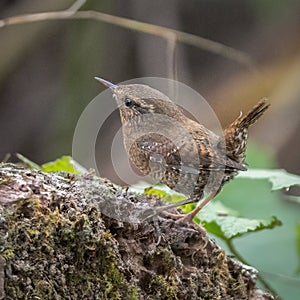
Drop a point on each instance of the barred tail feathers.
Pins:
(236, 134)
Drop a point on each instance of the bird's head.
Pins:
(135, 100)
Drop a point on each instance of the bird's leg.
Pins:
(185, 218)
(176, 204)
(164, 209)
(188, 218)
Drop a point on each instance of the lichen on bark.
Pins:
(58, 240)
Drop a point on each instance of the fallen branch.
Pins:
(57, 243)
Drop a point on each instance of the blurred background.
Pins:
(47, 70)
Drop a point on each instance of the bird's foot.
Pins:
(182, 218)
(174, 216)
(179, 217)
(165, 210)
(188, 218)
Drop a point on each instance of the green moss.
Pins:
(165, 287)
(68, 245)
(133, 293)
(8, 254)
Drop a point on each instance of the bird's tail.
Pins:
(236, 133)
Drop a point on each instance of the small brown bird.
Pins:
(174, 150)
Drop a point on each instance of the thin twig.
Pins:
(6, 159)
(156, 30)
(171, 64)
(259, 277)
(171, 61)
(76, 5)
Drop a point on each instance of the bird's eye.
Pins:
(128, 102)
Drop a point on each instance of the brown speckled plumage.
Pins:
(175, 150)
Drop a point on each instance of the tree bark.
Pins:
(65, 236)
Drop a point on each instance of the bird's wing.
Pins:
(186, 156)
(212, 150)
(164, 152)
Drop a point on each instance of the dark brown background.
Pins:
(47, 69)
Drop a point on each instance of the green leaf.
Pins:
(279, 178)
(226, 224)
(139, 187)
(28, 162)
(65, 164)
(160, 190)
(216, 217)
(298, 248)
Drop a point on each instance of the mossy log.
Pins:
(58, 240)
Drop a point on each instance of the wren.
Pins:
(162, 142)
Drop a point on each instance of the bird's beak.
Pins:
(106, 83)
